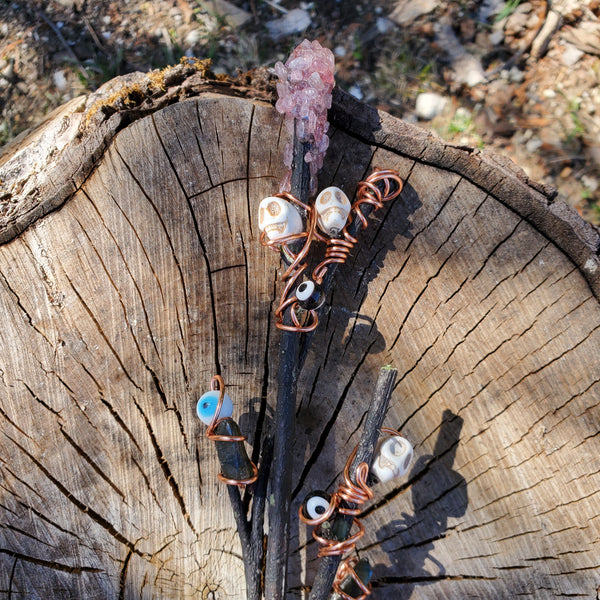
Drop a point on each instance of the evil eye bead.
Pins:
(207, 405)
(310, 296)
(315, 505)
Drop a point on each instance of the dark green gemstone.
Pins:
(348, 586)
(233, 457)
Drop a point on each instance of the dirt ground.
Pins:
(517, 77)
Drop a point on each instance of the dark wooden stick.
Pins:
(281, 469)
(364, 453)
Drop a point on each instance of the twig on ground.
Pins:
(65, 44)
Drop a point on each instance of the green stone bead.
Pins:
(348, 586)
(233, 457)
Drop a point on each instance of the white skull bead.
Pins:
(278, 218)
(333, 208)
(392, 458)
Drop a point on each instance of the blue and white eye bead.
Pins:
(207, 405)
(315, 505)
(310, 295)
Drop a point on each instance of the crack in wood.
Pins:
(162, 224)
(55, 566)
(85, 509)
(166, 469)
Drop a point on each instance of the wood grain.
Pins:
(120, 305)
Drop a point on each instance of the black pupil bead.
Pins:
(320, 510)
(205, 405)
(312, 296)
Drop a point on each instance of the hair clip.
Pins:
(392, 457)
(352, 580)
(215, 409)
(281, 229)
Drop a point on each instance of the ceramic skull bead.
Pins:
(278, 218)
(332, 207)
(392, 458)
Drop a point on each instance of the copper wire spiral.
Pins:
(347, 569)
(367, 194)
(295, 269)
(337, 251)
(357, 493)
(217, 384)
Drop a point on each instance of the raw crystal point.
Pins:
(207, 405)
(278, 218)
(304, 92)
(333, 208)
(233, 457)
(392, 458)
(364, 572)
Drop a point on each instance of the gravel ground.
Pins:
(519, 78)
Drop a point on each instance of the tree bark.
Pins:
(130, 273)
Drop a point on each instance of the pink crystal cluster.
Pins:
(304, 89)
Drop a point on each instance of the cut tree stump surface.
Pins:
(131, 273)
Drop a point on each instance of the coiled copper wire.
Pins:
(295, 269)
(347, 569)
(367, 193)
(217, 384)
(357, 493)
(337, 251)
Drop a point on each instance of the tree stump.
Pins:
(130, 273)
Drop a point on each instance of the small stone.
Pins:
(571, 55)
(496, 37)
(533, 145)
(516, 75)
(356, 92)
(430, 105)
(383, 25)
(294, 21)
(59, 80)
(339, 51)
(549, 93)
(193, 37)
(406, 11)
(591, 183)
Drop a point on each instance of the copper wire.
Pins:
(217, 383)
(357, 493)
(347, 569)
(367, 193)
(295, 269)
(337, 251)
